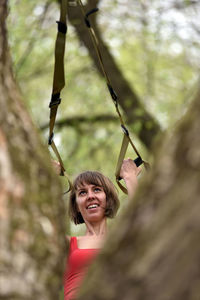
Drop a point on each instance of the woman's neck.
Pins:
(96, 228)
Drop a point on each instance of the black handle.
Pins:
(138, 161)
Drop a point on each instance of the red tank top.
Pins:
(77, 264)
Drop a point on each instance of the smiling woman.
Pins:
(93, 199)
(92, 182)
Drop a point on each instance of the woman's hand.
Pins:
(129, 172)
(57, 167)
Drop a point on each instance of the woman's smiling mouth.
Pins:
(91, 206)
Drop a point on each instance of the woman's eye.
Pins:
(82, 193)
(97, 189)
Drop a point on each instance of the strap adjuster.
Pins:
(50, 140)
(125, 130)
(112, 93)
(55, 100)
(92, 11)
(62, 27)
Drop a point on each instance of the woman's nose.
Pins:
(90, 194)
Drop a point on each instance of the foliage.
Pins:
(156, 45)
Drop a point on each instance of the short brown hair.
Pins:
(98, 179)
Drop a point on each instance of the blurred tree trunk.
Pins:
(155, 251)
(128, 99)
(153, 254)
(31, 209)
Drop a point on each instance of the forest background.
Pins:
(155, 47)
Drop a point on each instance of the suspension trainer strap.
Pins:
(122, 154)
(58, 81)
(126, 138)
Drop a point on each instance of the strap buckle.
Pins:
(50, 140)
(62, 27)
(92, 11)
(125, 130)
(112, 93)
(55, 100)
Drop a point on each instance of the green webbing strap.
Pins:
(138, 161)
(58, 77)
(63, 172)
(58, 81)
(126, 138)
(122, 154)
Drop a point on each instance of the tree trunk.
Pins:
(31, 209)
(153, 254)
(129, 101)
(155, 251)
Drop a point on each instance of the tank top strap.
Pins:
(73, 244)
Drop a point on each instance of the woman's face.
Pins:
(91, 202)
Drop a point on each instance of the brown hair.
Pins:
(98, 179)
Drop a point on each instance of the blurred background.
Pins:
(151, 50)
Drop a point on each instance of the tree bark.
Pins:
(155, 252)
(31, 209)
(128, 99)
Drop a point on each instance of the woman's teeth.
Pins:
(92, 206)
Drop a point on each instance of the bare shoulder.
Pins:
(89, 242)
(82, 238)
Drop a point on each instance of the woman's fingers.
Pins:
(129, 168)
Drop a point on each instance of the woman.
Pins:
(93, 199)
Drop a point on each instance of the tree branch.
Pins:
(128, 99)
(78, 120)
